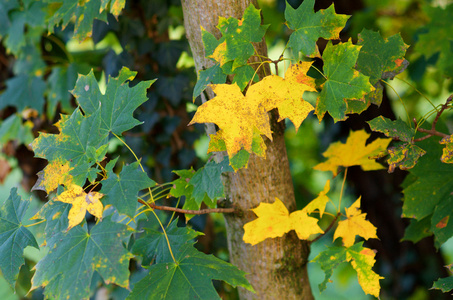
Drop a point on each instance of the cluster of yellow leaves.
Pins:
(81, 203)
(354, 152)
(239, 116)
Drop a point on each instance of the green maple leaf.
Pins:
(445, 284)
(24, 91)
(361, 259)
(309, 26)
(153, 245)
(404, 156)
(379, 56)
(395, 129)
(417, 230)
(77, 134)
(343, 82)
(213, 75)
(190, 277)
(5, 21)
(117, 104)
(121, 190)
(438, 39)
(66, 271)
(83, 14)
(208, 181)
(14, 237)
(421, 202)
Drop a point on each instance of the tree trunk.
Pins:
(276, 267)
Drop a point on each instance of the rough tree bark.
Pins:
(276, 267)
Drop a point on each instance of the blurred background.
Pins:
(149, 37)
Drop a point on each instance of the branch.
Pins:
(433, 131)
(189, 212)
(327, 229)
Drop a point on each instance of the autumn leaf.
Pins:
(54, 174)
(361, 259)
(447, 152)
(81, 203)
(320, 202)
(236, 115)
(355, 224)
(404, 156)
(353, 153)
(343, 83)
(274, 220)
(286, 94)
(309, 26)
(241, 117)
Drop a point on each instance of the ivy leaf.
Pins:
(237, 37)
(343, 83)
(361, 259)
(121, 191)
(309, 26)
(66, 271)
(190, 277)
(153, 245)
(84, 14)
(117, 104)
(14, 237)
(353, 153)
(274, 220)
(22, 92)
(81, 203)
(394, 129)
(355, 224)
(208, 181)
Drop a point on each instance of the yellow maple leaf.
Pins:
(355, 224)
(54, 174)
(354, 153)
(363, 262)
(319, 203)
(238, 116)
(81, 203)
(286, 94)
(274, 220)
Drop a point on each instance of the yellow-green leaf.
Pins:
(354, 152)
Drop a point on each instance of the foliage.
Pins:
(82, 176)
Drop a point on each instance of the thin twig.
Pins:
(327, 229)
(190, 212)
(433, 131)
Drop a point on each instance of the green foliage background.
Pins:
(37, 69)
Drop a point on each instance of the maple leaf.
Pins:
(24, 91)
(81, 203)
(67, 270)
(395, 129)
(121, 191)
(447, 152)
(117, 105)
(319, 203)
(361, 259)
(54, 174)
(404, 156)
(14, 237)
(343, 82)
(354, 152)
(355, 224)
(444, 284)
(236, 115)
(190, 277)
(309, 26)
(286, 94)
(274, 220)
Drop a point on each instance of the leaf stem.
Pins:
(401, 100)
(420, 93)
(190, 212)
(342, 189)
(327, 229)
(322, 74)
(30, 225)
